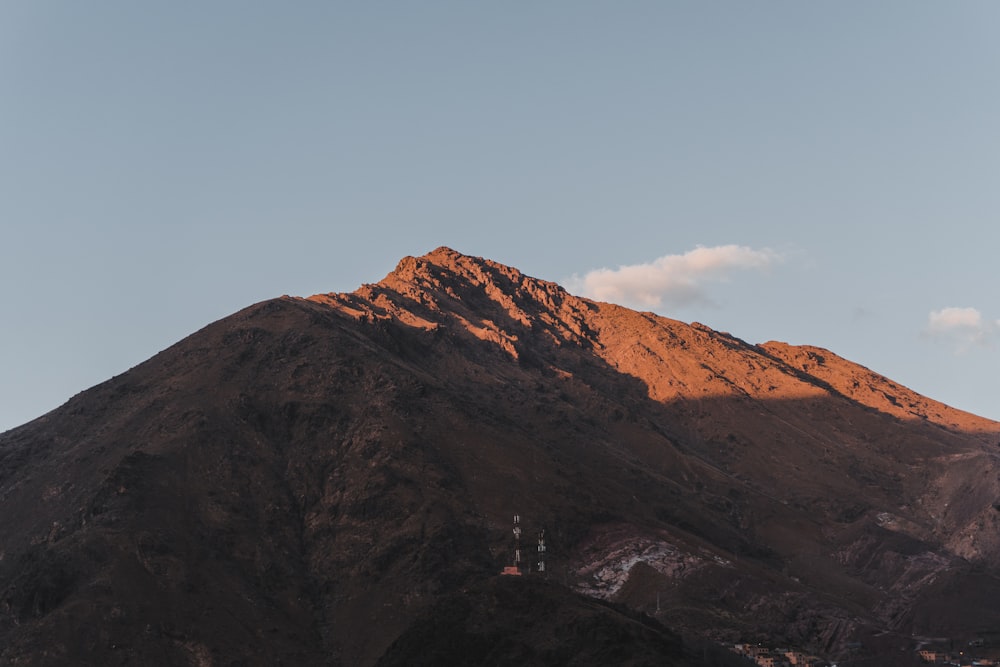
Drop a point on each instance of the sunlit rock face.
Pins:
(303, 482)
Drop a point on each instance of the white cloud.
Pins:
(948, 319)
(674, 280)
(964, 327)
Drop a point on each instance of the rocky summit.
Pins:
(332, 480)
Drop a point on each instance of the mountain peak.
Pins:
(444, 264)
(472, 295)
(445, 252)
(442, 256)
(468, 295)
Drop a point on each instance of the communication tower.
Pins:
(515, 569)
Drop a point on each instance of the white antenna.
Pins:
(515, 569)
(517, 541)
(541, 550)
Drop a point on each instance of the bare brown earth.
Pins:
(308, 481)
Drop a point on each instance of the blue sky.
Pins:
(165, 164)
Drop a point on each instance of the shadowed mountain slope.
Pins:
(513, 621)
(302, 481)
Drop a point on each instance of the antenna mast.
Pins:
(517, 541)
(515, 569)
(541, 550)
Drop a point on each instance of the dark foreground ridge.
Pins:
(321, 481)
(520, 621)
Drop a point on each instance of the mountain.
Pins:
(319, 481)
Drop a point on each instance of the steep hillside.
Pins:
(301, 482)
